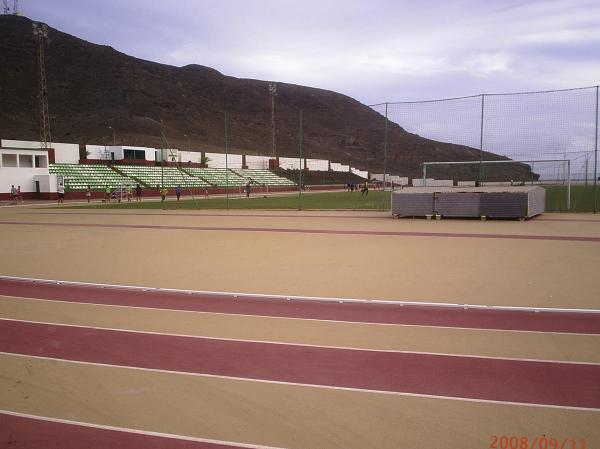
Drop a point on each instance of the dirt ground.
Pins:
(53, 244)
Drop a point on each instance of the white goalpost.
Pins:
(543, 172)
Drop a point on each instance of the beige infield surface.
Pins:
(289, 253)
(492, 271)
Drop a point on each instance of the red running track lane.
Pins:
(571, 238)
(201, 215)
(550, 383)
(359, 312)
(281, 215)
(30, 433)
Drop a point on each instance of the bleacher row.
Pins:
(167, 176)
(264, 177)
(79, 176)
(218, 176)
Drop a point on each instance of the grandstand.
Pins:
(219, 177)
(264, 177)
(39, 171)
(78, 177)
(98, 176)
(166, 176)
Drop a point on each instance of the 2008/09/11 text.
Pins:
(537, 442)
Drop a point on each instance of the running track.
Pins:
(572, 238)
(564, 384)
(273, 306)
(542, 383)
(32, 433)
(282, 215)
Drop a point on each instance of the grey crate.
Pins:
(459, 204)
(492, 202)
(412, 205)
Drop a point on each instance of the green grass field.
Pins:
(376, 200)
(582, 200)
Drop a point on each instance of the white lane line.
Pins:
(318, 320)
(298, 384)
(135, 431)
(307, 298)
(302, 345)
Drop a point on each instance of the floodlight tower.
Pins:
(40, 34)
(273, 92)
(16, 8)
(5, 8)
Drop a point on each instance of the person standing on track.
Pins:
(88, 193)
(365, 189)
(61, 193)
(248, 189)
(178, 191)
(138, 193)
(163, 194)
(13, 194)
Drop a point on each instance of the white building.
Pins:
(25, 164)
(125, 152)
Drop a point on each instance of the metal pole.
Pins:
(273, 92)
(385, 145)
(568, 185)
(481, 142)
(424, 174)
(226, 165)
(300, 161)
(162, 155)
(596, 159)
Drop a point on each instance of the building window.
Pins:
(41, 162)
(9, 160)
(138, 155)
(25, 160)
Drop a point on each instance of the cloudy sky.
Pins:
(372, 50)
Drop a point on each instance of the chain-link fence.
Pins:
(559, 125)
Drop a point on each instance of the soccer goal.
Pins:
(552, 174)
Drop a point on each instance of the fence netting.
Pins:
(560, 125)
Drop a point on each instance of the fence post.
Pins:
(300, 161)
(596, 158)
(385, 146)
(226, 165)
(163, 145)
(481, 142)
(568, 185)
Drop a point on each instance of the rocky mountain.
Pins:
(92, 87)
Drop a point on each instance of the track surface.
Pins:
(115, 366)
(33, 433)
(362, 312)
(464, 377)
(571, 238)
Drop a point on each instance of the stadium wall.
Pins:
(257, 162)
(217, 160)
